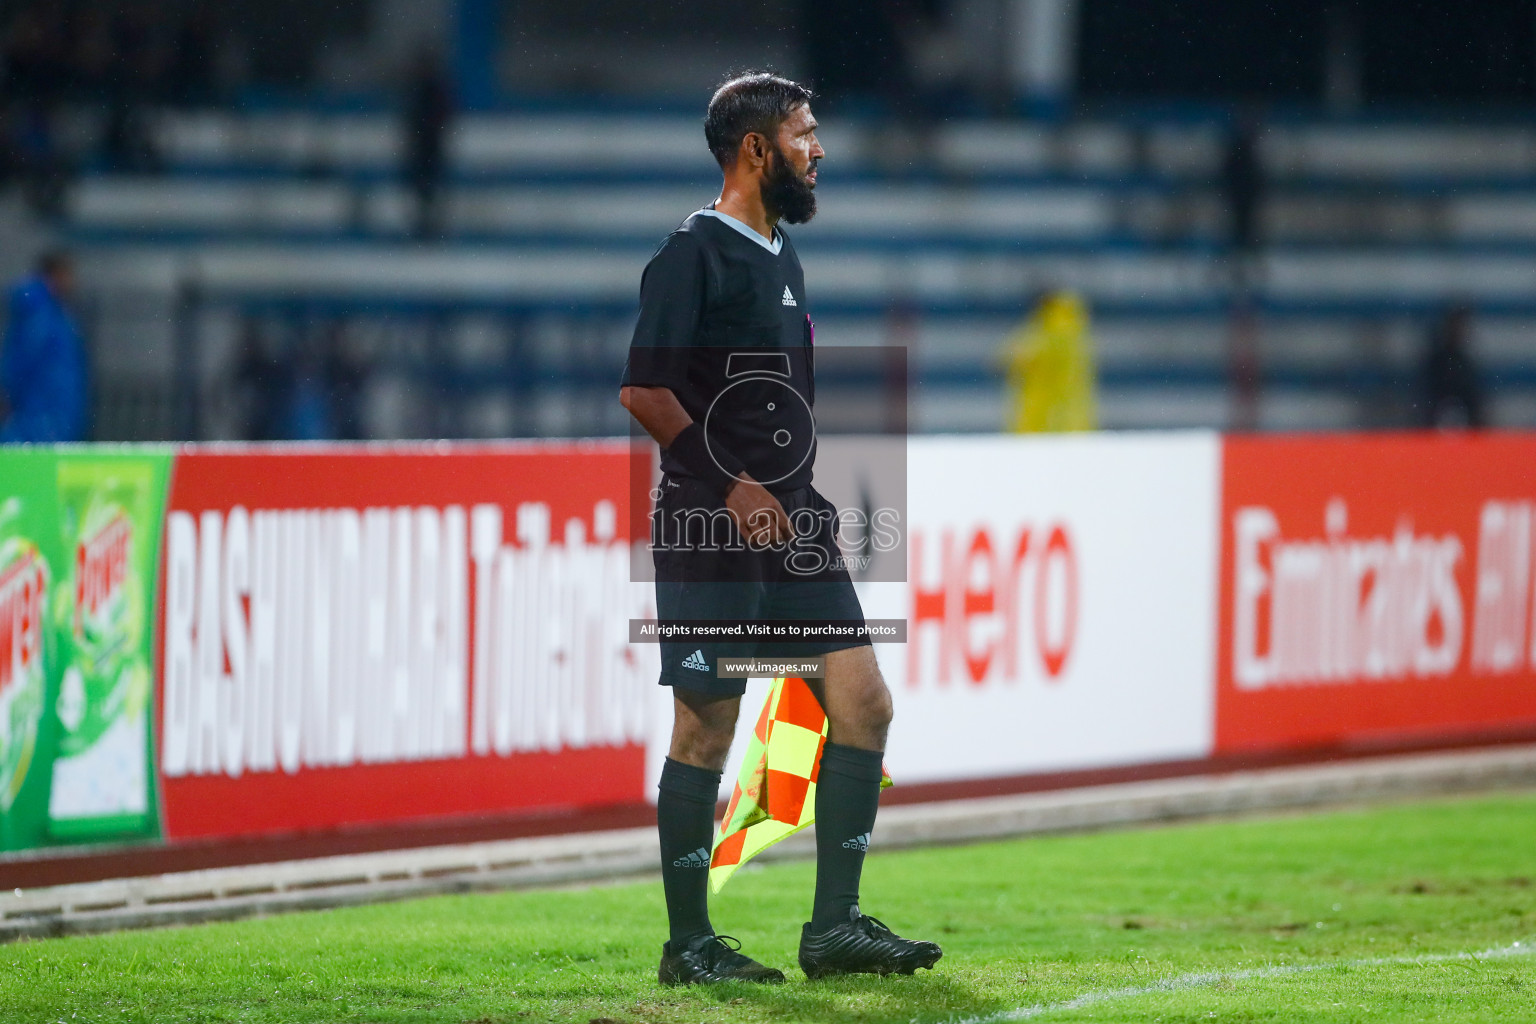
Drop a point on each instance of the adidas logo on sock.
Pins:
(789, 299)
(860, 843)
(696, 662)
(697, 859)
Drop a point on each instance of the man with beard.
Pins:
(720, 374)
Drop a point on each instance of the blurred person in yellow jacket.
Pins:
(1049, 365)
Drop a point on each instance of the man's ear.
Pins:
(755, 147)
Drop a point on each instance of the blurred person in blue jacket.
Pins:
(42, 358)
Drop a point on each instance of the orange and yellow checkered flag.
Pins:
(775, 794)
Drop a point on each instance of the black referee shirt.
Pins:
(724, 324)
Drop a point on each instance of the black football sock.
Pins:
(847, 797)
(685, 819)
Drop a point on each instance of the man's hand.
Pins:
(757, 514)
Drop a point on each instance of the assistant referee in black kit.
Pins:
(721, 374)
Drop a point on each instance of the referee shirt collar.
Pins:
(774, 246)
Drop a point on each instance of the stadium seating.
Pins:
(521, 309)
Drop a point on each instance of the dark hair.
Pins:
(758, 101)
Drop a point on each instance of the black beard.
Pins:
(786, 195)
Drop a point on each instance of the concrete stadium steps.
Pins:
(1370, 230)
(506, 143)
(847, 278)
(1321, 370)
(605, 176)
(206, 209)
(1402, 152)
(1338, 345)
(1171, 372)
(201, 209)
(530, 143)
(1472, 216)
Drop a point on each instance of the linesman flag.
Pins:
(775, 794)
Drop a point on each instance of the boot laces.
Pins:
(873, 926)
(719, 949)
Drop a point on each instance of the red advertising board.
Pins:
(376, 635)
(351, 636)
(1375, 589)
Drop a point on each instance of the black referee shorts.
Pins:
(711, 575)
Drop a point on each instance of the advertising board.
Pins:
(235, 642)
(1059, 605)
(396, 634)
(1375, 590)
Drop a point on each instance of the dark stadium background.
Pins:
(1270, 208)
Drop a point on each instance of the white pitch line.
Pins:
(1201, 979)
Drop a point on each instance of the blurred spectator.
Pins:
(259, 384)
(307, 386)
(346, 375)
(43, 374)
(1245, 371)
(428, 114)
(1452, 392)
(1050, 371)
(1242, 186)
(308, 414)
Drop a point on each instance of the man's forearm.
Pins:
(657, 410)
(664, 418)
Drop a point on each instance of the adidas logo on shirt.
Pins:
(860, 843)
(697, 859)
(696, 662)
(789, 300)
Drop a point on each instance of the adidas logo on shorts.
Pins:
(860, 843)
(696, 662)
(697, 859)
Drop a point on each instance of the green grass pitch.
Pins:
(1347, 916)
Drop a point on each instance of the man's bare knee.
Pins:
(869, 721)
(856, 699)
(879, 711)
(702, 729)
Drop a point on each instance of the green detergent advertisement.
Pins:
(102, 612)
(29, 559)
(79, 549)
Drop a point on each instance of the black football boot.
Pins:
(710, 959)
(862, 945)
